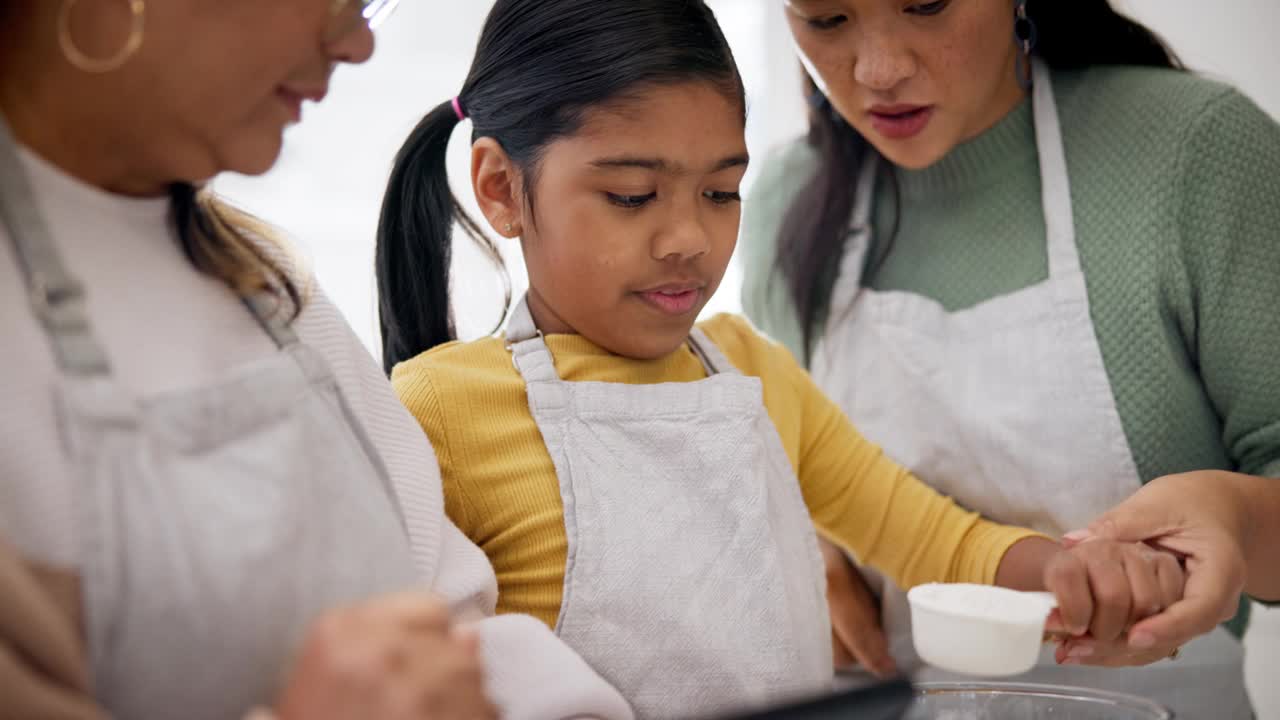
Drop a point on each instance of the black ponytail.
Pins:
(539, 67)
(415, 243)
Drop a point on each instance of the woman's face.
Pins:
(215, 82)
(914, 78)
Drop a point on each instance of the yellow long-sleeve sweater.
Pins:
(501, 488)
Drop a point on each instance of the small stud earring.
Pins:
(507, 228)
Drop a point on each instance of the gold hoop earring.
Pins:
(98, 66)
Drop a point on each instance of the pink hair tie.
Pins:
(457, 110)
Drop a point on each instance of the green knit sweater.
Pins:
(1175, 182)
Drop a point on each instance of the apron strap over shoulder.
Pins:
(533, 358)
(265, 309)
(1064, 258)
(709, 354)
(528, 347)
(57, 297)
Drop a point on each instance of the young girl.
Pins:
(647, 487)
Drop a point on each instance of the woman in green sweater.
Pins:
(1037, 263)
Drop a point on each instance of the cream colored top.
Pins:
(167, 327)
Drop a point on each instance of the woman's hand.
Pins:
(397, 658)
(1103, 588)
(856, 633)
(1209, 519)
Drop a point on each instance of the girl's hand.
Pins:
(1103, 588)
(1207, 518)
(857, 637)
(398, 658)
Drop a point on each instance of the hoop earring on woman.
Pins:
(1025, 36)
(82, 61)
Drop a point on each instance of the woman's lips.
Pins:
(901, 122)
(292, 103)
(293, 97)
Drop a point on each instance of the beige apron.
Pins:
(693, 583)
(1007, 407)
(217, 522)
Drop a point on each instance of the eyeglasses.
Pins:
(375, 11)
(349, 14)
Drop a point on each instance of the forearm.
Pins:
(888, 518)
(915, 535)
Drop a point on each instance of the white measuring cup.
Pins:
(978, 630)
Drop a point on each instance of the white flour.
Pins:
(983, 602)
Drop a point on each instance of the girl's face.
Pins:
(915, 78)
(634, 218)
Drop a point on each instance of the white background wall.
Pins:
(1234, 41)
(326, 190)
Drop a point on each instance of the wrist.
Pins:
(1241, 504)
(1023, 565)
(1256, 503)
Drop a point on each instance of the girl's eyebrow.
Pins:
(662, 165)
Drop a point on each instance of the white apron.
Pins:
(1007, 407)
(693, 573)
(217, 522)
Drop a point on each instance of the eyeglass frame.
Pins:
(372, 14)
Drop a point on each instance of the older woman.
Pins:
(206, 473)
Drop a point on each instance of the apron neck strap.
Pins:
(265, 308)
(520, 325)
(532, 357)
(528, 347)
(57, 297)
(1064, 257)
(709, 354)
(864, 201)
